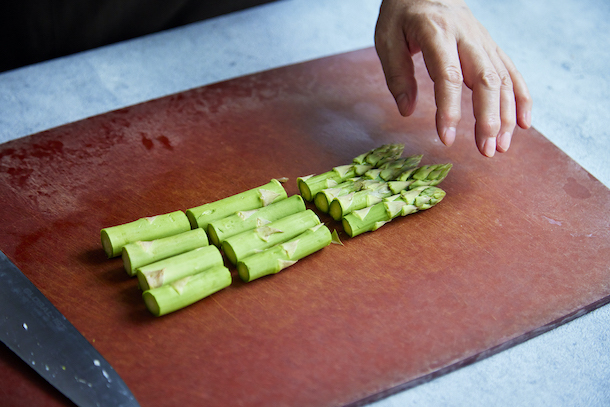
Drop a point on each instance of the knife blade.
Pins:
(43, 338)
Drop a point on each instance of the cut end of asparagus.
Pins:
(321, 202)
(127, 263)
(213, 236)
(151, 303)
(304, 188)
(229, 252)
(347, 228)
(192, 219)
(106, 244)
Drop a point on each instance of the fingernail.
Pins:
(449, 136)
(528, 118)
(402, 101)
(489, 147)
(503, 141)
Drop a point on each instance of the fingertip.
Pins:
(488, 147)
(448, 136)
(405, 104)
(503, 142)
(525, 121)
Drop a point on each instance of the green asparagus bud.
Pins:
(254, 198)
(283, 255)
(221, 229)
(154, 227)
(310, 185)
(405, 203)
(141, 253)
(427, 175)
(176, 267)
(378, 156)
(186, 291)
(393, 169)
(245, 244)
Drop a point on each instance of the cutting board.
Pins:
(519, 245)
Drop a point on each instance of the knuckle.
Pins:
(490, 79)
(505, 79)
(489, 126)
(452, 75)
(450, 115)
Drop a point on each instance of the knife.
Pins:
(43, 338)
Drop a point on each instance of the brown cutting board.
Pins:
(520, 244)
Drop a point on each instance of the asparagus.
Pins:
(186, 291)
(141, 253)
(221, 229)
(310, 185)
(405, 203)
(426, 175)
(372, 194)
(255, 198)
(240, 246)
(380, 155)
(393, 169)
(176, 267)
(323, 198)
(277, 258)
(150, 228)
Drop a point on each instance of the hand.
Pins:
(456, 48)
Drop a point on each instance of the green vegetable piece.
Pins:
(426, 175)
(374, 193)
(247, 243)
(380, 155)
(221, 229)
(141, 253)
(255, 198)
(393, 169)
(154, 227)
(407, 202)
(278, 257)
(309, 186)
(176, 267)
(186, 291)
(324, 197)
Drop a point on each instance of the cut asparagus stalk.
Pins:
(374, 193)
(324, 197)
(221, 229)
(245, 244)
(174, 268)
(255, 198)
(154, 227)
(311, 185)
(283, 255)
(186, 291)
(405, 203)
(141, 253)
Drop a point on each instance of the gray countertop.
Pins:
(561, 47)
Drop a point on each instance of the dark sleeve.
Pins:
(36, 30)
